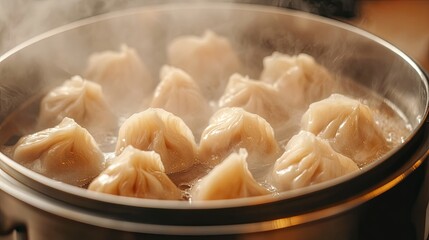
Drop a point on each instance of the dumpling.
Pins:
(179, 94)
(124, 77)
(300, 78)
(348, 125)
(66, 152)
(81, 100)
(209, 59)
(256, 97)
(163, 132)
(228, 180)
(230, 129)
(277, 64)
(136, 173)
(309, 160)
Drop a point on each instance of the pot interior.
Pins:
(39, 64)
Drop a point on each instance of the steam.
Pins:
(23, 19)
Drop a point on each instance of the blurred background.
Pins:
(404, 23)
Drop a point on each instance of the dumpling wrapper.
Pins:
(179, 94)
(229, 180)
(160, 131)
(259, 98)
(230, 129)
(81, 100)
(124, 77)
(66, 152)
(348, 125)
(136, 173)
(300, 79)
(309, 160)
(209, 59)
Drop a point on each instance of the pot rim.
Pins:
(44, 184)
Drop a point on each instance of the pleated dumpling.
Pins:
(81, 100)
(256, 97)
(230, 129)
(136, 173)
(66, 152)
(123, 75)
(209, 59)
(179, 94)
(160, 131)
(228, 180)
(309, 160)
(349, 126)
(300, 78)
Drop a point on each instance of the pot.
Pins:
(387, 199)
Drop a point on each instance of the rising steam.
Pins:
(23, 19)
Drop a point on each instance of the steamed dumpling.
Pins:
(81, 100)
(300, 78)
(209, 59)
(123, 75)
(228, 180)
(230, 129)
(258, 98)
(163, 132)
(179, 94)
(136, 173)
(309, 160)
(66, 152)
(348, 125)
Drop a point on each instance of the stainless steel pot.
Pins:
(386, 200)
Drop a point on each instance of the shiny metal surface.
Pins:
(333, 210)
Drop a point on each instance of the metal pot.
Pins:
(386, 200)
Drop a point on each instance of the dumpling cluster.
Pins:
(160, 131)
(66, 152)
(308, 160)
(179, 94)
(300, 77)
(246, 136)
(230, 129)
(124, 77)
(136, 173)
(348, 125)
(209, 59)
(81, 100)
(228, 180)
